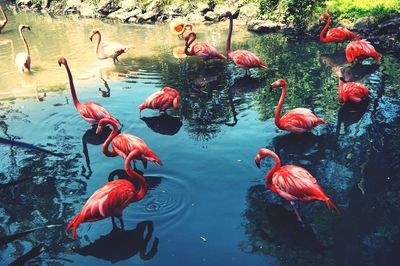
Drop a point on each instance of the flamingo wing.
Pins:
(300, 120)
(354, 92)
(340, 34)
(94, 112)
(158, 100)
(113, 49)
(296, 183)
(361, 48)
(246, 59)
(206, 51)
(109, 200)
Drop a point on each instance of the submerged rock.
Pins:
(264, 26)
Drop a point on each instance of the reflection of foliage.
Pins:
(392, 72)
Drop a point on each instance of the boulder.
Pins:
(88, 10)
(248, 12)
(155, 7)
(222, 8)
(264, 26)
(195, 18)
(124, 16)
(129, 5)
(211, 16)
(106, 7)
(201, 9)
(149, 16)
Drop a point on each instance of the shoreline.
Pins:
(385, 34)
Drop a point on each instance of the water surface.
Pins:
(208, 204)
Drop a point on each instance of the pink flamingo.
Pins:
(350, 91)
(91, 112)
(336, 35)
(23, 60)
(105, 50)
(202, 50)
(162, 100)
(292, 183)
(241, 58)
(111, 199)
(361, 50)
(3, 23)
(299, 120)
(124, 144)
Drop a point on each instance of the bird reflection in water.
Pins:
(163, 124)
(90, 137)
(349, 114)
(106, 93)
(359, 73)
(152, 181)
(121, 245)
(273, 225)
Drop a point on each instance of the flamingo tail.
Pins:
(151, 156)
(265, 67)
(222, 56)
(142, 106)
(321, 121)
(74, 223)
(330, 205)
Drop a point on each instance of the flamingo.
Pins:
(361, 50)
(23, 60)
(124, 144)
(336, 35)
(3, 23)
(105, 50)
(91, 112)
(292, 182)
(112, 198)
(350, 91)
(178, 26)
(299, 120)
(241, 58)
(202, 50)
(162, 100)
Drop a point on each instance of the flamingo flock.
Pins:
(291, 182)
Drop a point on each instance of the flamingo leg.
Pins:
(297, 213)
(113, 222)
(121, 222)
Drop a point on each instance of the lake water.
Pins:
(208, 204)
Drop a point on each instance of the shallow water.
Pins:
(208, 204)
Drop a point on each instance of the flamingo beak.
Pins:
(91, 38)
(99, 129)
(257, 160)
(342, 79)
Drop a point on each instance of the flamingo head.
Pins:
(323, 17)
(92, 33)
(190, 35)
(21, 27)
(277, 84)
(262, 153)
(227, 14)
(62, 61)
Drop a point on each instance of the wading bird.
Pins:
(202, 50)
(292, 183)
(105, 49)
(162, 100)
(241, 58)
(336, 35)
(178, 26)
(299, 120)
(360, 50)
(350, 91)
(125, 144)
(23, 60)
(112, 198)
(3, 23)
(91, 112)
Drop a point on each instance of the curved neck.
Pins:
(72, 87)
(280, 104)
(228, 39)
(112, 135)
(135, 176)
(98, 46)
(25, 42)
(4, 22)
(324, 30)
(268, 176)
(192, 38)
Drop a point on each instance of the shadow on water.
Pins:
(121, 245)
(163, 124)
(25, 145)
(350, 114)
(90, 137)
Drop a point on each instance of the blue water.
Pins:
(208, 204)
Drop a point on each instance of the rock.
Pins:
(45, 3)
(264, 26)
(106, 7)
(124, 16)
(211, 16)
(88, 10)
(155, 7)
(28, 4)
(248, 12)
(129, 5)
(195, 18)
(222, 8)
(390, 24)
(72, 6)
(149, 16)
(201, 9)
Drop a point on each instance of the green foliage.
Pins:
(267, 5)
(356, 9)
